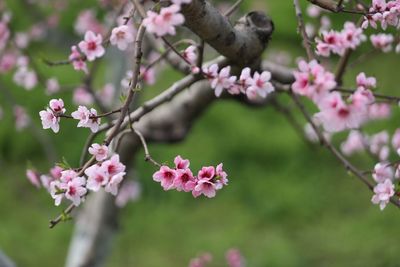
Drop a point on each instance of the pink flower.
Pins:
(76, 190)
(222, 176)
(4, 34)
(166, 177)
(22, 119)
(355, 142)
(91, 46)
(382, 171)
(206, 173)
(56, 172)
(259, 85)
(7, 61)
(365, 82)
(113, 166)
(68, 175)
(86, 21)
(313, 81)
(77, 60)
(206, 188)
(87, 118)
(99, 151)
(33, 177)
(181, 163)
(112, 186)
(378, 111)
(106, 94)
(211, 71)
(190, 54)
(222, 81)
(57, 106)
(382, 41)
(148, 75)
(331, 42)
(383, 192)
(49, 120)
(129, 191)
(352, 36)
(121, 36)
(97, 177)
(25, 78)
(378, 144)
(165, 22)
(52, 86)
(234, 258)
(184, 180)
(57, 190)
(82, 97)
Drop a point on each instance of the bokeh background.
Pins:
(287, 204)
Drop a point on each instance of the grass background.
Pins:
(286, 205)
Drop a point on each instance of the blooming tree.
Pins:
(152, 33)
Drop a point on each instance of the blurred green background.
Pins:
(286, 205)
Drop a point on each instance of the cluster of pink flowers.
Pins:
(337, 42)
(382, 41)
(313, 81)
(207, 182)
(256, 86)
(107, 174)
(23, 76)
(50, 117)
(91, 47)
(66, 183)
(164, 23)
(385, 13)
(384, 176)
(377, 144)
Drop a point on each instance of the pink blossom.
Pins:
(82, 97)
(21, 40)
(87, 21)
(260, 85)
(22, 119)
(382, 171)
(378, 111)
(52, 86)
(166, 177)
(148, 75)
(113, 184)
(7, 62)
(121, 37)
(314, 11)
(355, 142)
(331, 42)
(181, 163)
(206, 173)
(33, 177)
(205, 187)
(190, 54)
(25, 78)
(312, 80)
(184, 180)
(57, 106)
(129, 191)
(245, 80)
(49, 120)
(56, 172)
(106, 94)
(234, 258)
(113, 166)
(352, 36)
(75, 190)
(57, 190)
(87, 118)
(382, 41)
(365, 82)
(99, 151)
(97, 177)
(77, 60)
(378, 144)
(92, 46)
(221, 176)
(165, 22)
(211, 71)
(222, 81)
(383, 192)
